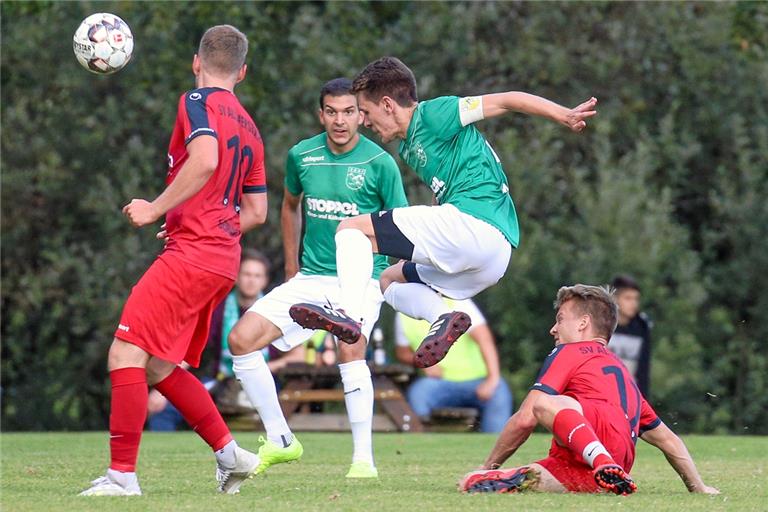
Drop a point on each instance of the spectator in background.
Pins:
(216, 362)
(631, 341)
(468, 376)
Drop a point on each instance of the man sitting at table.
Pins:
(468, 376)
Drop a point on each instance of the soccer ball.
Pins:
(103, 43)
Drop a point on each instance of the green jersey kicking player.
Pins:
(334, 176)
(462, 244)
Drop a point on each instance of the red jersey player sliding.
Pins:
(588, 400)
(215, 189)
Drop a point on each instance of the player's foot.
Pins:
(271, 454)
(362, 469)
(612, 477)
(114, 483)
(498, 480)
(230, 479)
(335, 321)
(444, 332)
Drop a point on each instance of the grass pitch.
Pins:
(45, 471)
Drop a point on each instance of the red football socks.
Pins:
(575, 433)
(193, 401)
(128, 414)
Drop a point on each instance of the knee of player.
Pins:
(238, 342)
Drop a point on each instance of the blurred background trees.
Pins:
(669, 183)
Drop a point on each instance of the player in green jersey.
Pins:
(333, 176)
(462, 244)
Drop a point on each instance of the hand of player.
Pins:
(290, 270)
(485, 390)
(140, 212)
(575, 119)
(163, 234)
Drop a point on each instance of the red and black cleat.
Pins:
(444, 332)
(498, 480)
(334, 321)
(612, 477)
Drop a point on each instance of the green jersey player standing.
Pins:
(333, 176)
(459, 246)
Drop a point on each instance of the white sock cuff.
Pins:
(354, 370)
(592, 450)
(252, 361)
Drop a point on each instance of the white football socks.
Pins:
(257, 381)
(358, 397)
(354, 265)
(416, 300)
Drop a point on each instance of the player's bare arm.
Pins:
(514, 101)
(678, 457)
(517, 430)
(290, 222)
(484, 339)
(253, 210)
(199, 167)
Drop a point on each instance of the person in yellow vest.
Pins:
(468, 376)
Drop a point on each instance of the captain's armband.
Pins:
(470, 109)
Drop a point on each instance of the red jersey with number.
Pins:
(588, 372)
(204, 230)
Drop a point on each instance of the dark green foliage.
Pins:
(668, 184)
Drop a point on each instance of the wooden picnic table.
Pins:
(303, 383)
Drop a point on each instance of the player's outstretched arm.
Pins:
(253, 210)
(514, 101)
(290, 223)
(517, 430)
(678, 457)
(201, 164)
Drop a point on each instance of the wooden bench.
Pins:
(453, 418)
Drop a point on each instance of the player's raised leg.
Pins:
(358, 397)
(128, 405)
(252, 333)
(563, 416)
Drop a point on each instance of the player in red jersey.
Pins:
(216, 188)
(586, 397)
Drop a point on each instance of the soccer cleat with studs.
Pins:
(498, 480)
(442, 334)
(613, 478)
(326, 318)
(230, 479)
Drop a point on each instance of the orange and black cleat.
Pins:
(498, 480)
(613, 478)
(335, 321)
(442, 334)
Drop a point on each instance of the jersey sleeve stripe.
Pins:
(652, 425)
(254, 189)
(197, 114)
(198, 132)
(543, 387)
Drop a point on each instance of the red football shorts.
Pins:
(612, 429)
(168, 312)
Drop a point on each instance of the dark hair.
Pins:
(336, 87)
(596, 301)
(387, 76)
(223, 49)
(249, 254)
(624, 282)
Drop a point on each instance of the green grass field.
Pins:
(45, 471)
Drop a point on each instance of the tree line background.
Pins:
(668, 184)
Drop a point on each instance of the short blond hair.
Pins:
(223, 49)
(596, 301)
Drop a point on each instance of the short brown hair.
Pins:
(387, 76)
(223, 49)
(596, 301)
(249, 254)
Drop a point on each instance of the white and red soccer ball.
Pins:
(103, 43)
